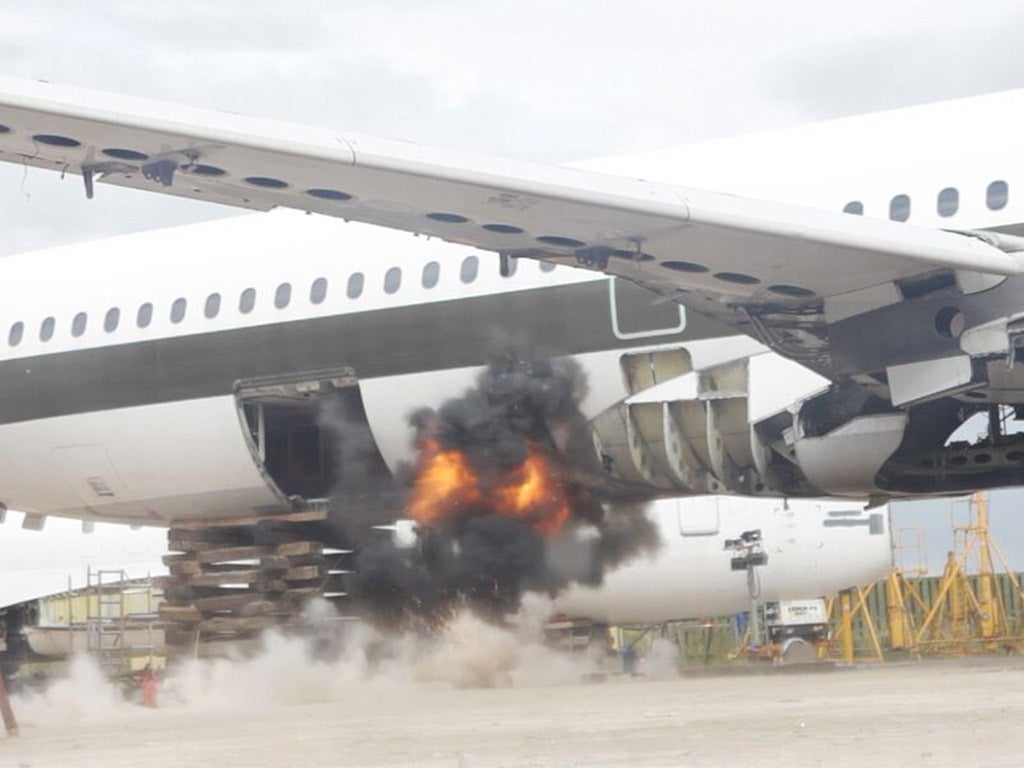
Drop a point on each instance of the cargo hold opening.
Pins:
(309, 432)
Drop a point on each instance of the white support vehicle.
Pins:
(796, 626)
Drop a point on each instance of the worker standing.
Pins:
(5, 708)
(149, 683)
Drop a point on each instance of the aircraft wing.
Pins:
(771, 270)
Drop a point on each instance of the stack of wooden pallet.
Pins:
(230, 579)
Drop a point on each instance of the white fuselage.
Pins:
(815, 548)
(186, 454)
(110, 414)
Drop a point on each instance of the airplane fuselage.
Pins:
(138, 418)
(160, 376)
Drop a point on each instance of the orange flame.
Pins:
(447, 488)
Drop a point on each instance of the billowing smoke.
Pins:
(364, 491)
(506, 502)
(354, 451)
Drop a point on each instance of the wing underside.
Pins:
(777, 272)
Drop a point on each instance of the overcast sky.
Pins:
(547, 80)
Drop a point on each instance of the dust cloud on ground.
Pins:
(339, 657)
(948, 713)
(335, 660)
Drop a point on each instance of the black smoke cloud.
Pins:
(484, 561)
(514, 401)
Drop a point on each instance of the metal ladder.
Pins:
(105, 627)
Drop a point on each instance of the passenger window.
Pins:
(899, 208)
(247, 301)
(78, 324)
(546, 266)
(212, 307)
(431, 274)
(949, 201)
(470, 267)
(111, 319)
(511, 264)
(392, 280)
(355, 285)
(856, 207)
(145, 315)
(283, 295)
(15, 334)
(178, 310)
(318, 290)
(997, 195)
(46, 329)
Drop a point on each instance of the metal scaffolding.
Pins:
(969, 611)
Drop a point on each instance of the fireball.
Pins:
(447, 488)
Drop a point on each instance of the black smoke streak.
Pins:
(484, 561)
(364, 492)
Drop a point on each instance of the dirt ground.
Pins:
(949, 713)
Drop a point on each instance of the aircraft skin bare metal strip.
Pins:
(556, 212)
